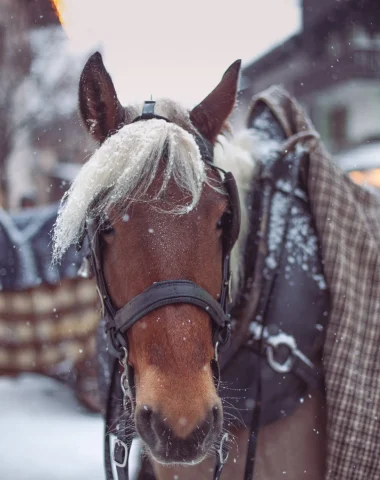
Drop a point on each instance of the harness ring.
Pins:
(223, 459)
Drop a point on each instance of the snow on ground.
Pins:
(45, 434)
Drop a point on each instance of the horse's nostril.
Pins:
(144, 423)
(215, 412)
(145, 413)
(217, 415)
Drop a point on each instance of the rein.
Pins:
(118, 322)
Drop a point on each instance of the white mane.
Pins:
(124, 166)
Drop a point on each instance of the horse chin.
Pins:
(173, 462)
(178, 456)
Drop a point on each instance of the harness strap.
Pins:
(109, 421)
(268, 189)
(118, 418)
(123, 443)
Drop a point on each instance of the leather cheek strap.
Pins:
(232, 228)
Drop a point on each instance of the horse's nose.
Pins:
(170, 442)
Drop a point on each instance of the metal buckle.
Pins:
(223, 459)
(275, 341)
(119, 443)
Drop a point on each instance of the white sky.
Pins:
(177, 48)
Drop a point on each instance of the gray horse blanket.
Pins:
(347, 219)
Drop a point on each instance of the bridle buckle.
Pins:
(119, 444)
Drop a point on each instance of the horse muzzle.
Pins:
(168, 447)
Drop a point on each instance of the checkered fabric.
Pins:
(45, 326)
(347, 218)
(51, 330)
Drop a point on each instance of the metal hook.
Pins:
(216, 352)
(223, 459)
(124, 378)
(124, 360)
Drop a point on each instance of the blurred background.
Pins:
(325, 52)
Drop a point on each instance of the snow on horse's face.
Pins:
(168, 230)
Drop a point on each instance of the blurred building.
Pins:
(332, 66)
(40, 128)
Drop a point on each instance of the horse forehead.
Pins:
(211, 200)
(162, 229)
(159, 233)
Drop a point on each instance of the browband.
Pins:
(205, 147)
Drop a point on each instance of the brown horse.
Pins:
(160, 211)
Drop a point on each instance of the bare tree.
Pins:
(15, 58)
(39, 123)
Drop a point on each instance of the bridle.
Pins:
(167, 292)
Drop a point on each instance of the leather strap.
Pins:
(167, 293)
(311, 374)
(268, 190)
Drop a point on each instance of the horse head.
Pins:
(160, 212)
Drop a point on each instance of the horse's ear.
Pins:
(99, 106)
(209, 116)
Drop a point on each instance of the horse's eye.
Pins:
(223, 219)
(106, 227)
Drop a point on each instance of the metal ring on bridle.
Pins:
(216, 352)
(272, 344)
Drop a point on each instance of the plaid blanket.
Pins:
(347, 219)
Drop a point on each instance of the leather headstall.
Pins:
(171, 291)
